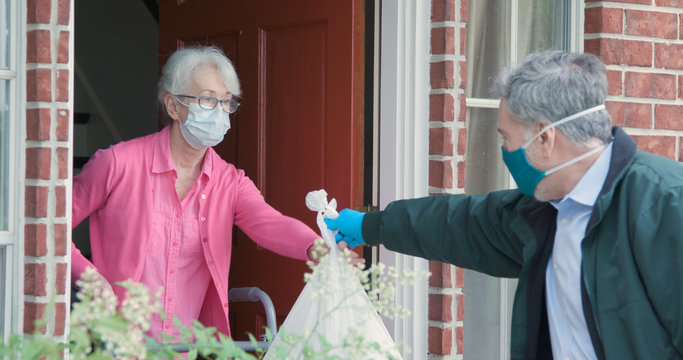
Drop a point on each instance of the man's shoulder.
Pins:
(653, 170)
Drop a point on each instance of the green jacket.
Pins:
(632, 268)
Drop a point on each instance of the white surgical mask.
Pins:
(205, 128)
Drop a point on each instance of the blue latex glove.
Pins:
(349, 224)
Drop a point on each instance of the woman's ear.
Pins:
(171, 105)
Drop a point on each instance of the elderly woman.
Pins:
(162, 206)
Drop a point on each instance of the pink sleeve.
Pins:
(90, 190)
(268, 227)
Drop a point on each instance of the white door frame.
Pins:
(404, 146)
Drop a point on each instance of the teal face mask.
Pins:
(526, 175)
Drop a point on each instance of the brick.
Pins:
(441, 275)
(464, 11)
(680, 86)
(35, 201)
(38, 11)
(463, 75)
(621, 52)
(38, 161)
(461, 174)
(669, 117)
(441, 75)
(657, 144)
(669, 3)
(38, 47)
(669, 56)
(604, 20)
(614, 86)
(63, 121)
(63, 48)
(443, 40)
(459, 339)
(63, 85)
(63, 9)
(60, 278)
(33, 312)
(60, 319)
(459, 277)
(440, 340)
(629, 114)
(649, 85)
(680, 150)
(443, 10)
(651, 24)
(463, 41)
(440, 307)
(37, 124)
(61, 242)
(680, 32)
(441, 141)
(441, 174)
(462, 141)
(441, 107)
(460, 307)
(35, 279)
(35, 239)
(39, 85)
(462, 115)
(60, 201)
(62, 163)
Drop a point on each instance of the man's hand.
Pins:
(349, 224)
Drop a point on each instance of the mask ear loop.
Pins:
(562, 121)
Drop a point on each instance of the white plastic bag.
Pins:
(333, 316)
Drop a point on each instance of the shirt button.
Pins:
(210, 263)
(219, 285)
(225, 305)
(205, 239)
(203, 196)
(175, 243)
(202, 218)
(555, 266)
(564, 221)
(172, 271)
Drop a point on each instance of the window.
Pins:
(499, 33)
(8, 156)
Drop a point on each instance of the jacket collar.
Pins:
(623, 153)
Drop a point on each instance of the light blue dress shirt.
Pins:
(568, 330)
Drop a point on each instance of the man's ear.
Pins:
(547, 141)
(171, 106)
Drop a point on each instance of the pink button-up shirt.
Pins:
(140, 230)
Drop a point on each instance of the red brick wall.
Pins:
(642, 44)
(447, 144)
(47, 193)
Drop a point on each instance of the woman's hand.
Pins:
(355, 258)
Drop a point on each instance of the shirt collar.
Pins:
(163, 162)
(588, 188)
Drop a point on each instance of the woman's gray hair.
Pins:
(178, 72)
(551, 85)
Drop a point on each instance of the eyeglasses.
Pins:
(210, 102)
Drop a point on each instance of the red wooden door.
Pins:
(299, 126)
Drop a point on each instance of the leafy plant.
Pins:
(98, 331)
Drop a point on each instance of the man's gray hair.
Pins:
(178, 72)
(551, 85)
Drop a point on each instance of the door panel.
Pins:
(299, 126)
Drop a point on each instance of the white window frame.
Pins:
(404, 146)
(12, 238)
(576, 39)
